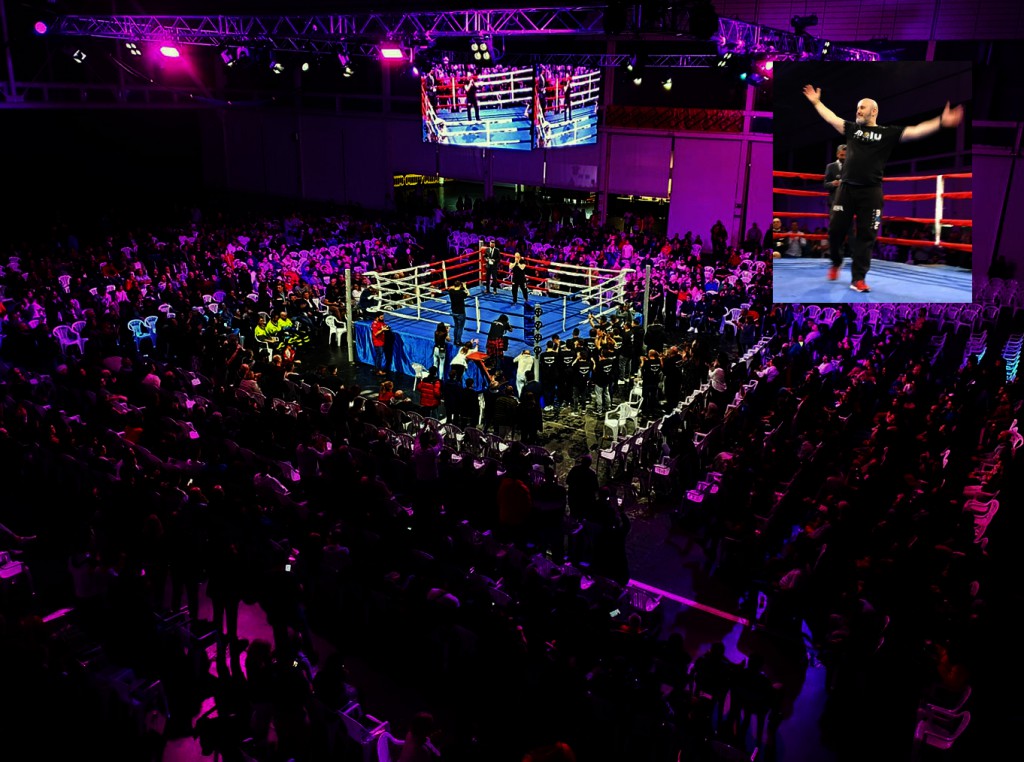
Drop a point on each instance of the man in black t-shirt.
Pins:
(496, 341)
(518, 272)
(604, 379)
(458, 292)
(859, 194)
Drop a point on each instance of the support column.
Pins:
(10, 96)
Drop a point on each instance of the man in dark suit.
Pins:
(492, 260)
(833, 176)
(833, 172)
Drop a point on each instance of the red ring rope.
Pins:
(913, 242)
(817, 176)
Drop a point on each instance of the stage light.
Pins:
(227, 55)
(169, 51)
(133, 49)
(305, 65)
(482, 49)
(769, 65)
(276, 66)
(391, 52)
(40, 27)
(724, 61)
(78, 56)
(636, 66)
(800, 23)
(666, 84)
(346, 64)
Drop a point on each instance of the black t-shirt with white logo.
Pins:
(549, 363)
(604, 371)
(867, 150)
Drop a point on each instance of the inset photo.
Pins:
(872, 182)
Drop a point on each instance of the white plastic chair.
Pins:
(140, 332)
(336, 330)
(66, 337)
(938, 728)
(364, 729)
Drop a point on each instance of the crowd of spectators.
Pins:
(842, 477)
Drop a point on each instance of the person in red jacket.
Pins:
(378, 334)
(430, 393)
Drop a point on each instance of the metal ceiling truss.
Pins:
(326, 33)
(738, 36)
(296, 32)
(603, 60)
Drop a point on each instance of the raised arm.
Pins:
(950, 118)
(813, 94)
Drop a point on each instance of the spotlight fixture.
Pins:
(666, 84)
(636, 65)
(482, 49)
(800, 23)
(133, 49)
(346, 64)
(227, 55)
(169, 51)
(305, 65)
(390, 51)
(78, 56)
(40, 27)
(276, 66)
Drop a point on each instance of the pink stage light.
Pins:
(769, 65)
(170, 51)
(391, 52)
(40, 27)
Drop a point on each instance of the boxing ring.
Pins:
(413, 299)
(804, 279)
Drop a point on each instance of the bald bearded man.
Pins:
(859, 194)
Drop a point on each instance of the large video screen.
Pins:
(565, 106)
(463, 105)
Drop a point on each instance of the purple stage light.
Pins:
(40, 27)
(169, 51)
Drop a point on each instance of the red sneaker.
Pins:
(833, 273)
(861, 286)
